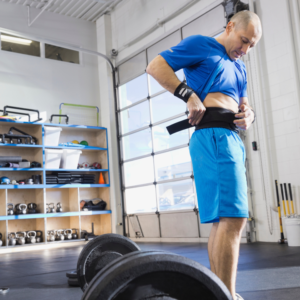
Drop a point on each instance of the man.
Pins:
(217, 152)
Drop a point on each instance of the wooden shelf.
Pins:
(68, 194)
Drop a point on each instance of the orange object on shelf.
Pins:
(101, 179)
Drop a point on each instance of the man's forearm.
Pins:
(163, 74)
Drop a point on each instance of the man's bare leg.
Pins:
(225, 250)
(210, 245)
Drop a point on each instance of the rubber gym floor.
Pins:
(266, 271)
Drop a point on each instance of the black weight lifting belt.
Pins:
(213, 117)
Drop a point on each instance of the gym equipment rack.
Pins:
(68, 194)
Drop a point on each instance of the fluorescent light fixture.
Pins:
(15, 40)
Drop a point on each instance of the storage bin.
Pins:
(292, 226)
(70, 158)
(53, 158)
(52, 134)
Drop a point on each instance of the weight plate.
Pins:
(73, 282)
(72, 274)
(156, 275)
(100, 252)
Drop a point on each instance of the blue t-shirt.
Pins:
(198, 56)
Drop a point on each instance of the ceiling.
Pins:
(89, 10)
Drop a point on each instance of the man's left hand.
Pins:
(246, 117)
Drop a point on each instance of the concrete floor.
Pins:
(266, 271)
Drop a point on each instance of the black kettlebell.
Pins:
(74, 234)
(32, 208)
(59, 208)
(1, 243)
(39, 236)
(10, 209)
(21, 209)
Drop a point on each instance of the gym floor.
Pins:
(266, 271)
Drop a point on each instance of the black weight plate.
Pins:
(99, 252)
(156, 275)
(72, 274)
(73, 282)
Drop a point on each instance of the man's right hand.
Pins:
(196, 109)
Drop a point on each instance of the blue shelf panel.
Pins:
(21, 169)
(98, 212)
(21, 186)
(21, 145)
(49, 186)
(75, 148)
(72, 126)
(77, 170)
(51, 124)
(55, 215)
(75, 185)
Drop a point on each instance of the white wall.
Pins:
(280, 102)
(43, 84)
(277, 128)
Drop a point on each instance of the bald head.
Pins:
(243, 18)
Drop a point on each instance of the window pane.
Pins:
(165, 106)
(173, 164)
(139, 171)
(176, 195)
(133, 91)
(141, 199)
(61, 54)
(163, 140)
(180, 74)
(137, 144)
(19, 45)
(155, 87)
(135, 117)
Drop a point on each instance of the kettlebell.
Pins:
(68, 234)
(47, 208)
(60, 235)
(31, 237)
(31, 208)
(74, 235)
(50, 236)
(20, 239)
(39, 236)
(59, 208)
(10, 209)
(12, 239)
(1, 243)
(21, 209)
(51, 208)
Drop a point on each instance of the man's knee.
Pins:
(233, 224)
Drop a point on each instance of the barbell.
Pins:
(113, 267)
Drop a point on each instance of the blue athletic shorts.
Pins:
(218, 158)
